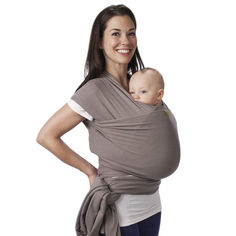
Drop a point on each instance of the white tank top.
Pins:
(130, 208)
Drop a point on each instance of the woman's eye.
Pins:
(132, 34)
(115, 34)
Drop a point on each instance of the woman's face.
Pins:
(119, 40)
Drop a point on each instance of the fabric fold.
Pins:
(97, 207)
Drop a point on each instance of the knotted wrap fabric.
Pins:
(137, 145)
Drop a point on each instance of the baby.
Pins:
(147, 86)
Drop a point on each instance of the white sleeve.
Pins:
(78, 109)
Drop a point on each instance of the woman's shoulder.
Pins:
(90, 87)
(95, 83)
(98, 82)
(91, 90)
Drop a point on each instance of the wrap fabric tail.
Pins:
(136, 142)
(98, 211)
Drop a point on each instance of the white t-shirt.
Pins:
(130, 208)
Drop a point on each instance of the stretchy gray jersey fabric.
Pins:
(130, 208)
(135, 141)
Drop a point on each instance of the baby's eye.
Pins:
(115, 34)
(131, 92)
(143, 91)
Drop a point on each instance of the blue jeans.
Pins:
(147, 227)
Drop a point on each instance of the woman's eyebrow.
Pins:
(115, 29)
(120, 30)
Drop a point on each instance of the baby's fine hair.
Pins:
(157, 73)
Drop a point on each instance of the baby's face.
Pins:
(144, 88)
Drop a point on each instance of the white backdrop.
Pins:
(43, 47)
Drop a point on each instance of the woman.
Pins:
(113, 50)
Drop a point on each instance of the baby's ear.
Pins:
(160, 93)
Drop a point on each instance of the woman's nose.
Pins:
(124, 40)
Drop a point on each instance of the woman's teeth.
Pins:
(123, 51)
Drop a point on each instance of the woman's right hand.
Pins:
(92, 176)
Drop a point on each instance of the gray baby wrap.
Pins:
(137, 145)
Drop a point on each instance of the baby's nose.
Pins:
(136, 96)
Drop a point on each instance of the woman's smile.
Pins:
(124, 52)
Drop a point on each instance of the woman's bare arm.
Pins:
(49, 137)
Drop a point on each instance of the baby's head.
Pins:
(147, 86)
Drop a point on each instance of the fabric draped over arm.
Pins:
(135, 141)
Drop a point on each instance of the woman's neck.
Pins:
(120, 74)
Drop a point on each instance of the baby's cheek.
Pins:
(132, 95)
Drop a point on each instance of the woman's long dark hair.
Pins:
(95, 62)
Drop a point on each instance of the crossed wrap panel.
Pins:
(135, 141)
